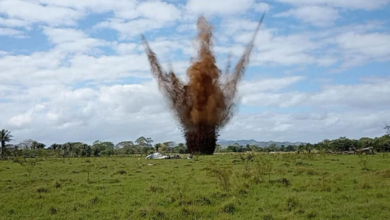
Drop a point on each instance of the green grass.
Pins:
(283, 186)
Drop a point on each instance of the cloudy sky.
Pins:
(74, 70)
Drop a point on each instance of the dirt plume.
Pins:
(205, 104)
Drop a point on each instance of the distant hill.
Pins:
(226, 143)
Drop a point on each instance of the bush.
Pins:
(41, 189)
(56, 184)
(222, 174)
(292, 202)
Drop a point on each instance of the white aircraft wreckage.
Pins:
(160, 156)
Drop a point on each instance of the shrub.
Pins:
(29, 165)
(363, 161)
(264, 167)
(222, 174)
(53, 210)
(56, 184)
(41, 189)
(292, 202)
(229, 207)
(268, 217)
(155, 189)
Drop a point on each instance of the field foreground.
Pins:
(231, 186)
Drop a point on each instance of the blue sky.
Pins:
(76, 70)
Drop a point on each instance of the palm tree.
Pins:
(5, 136)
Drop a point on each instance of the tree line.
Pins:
(342, 144)
(31, 148)
(144, 146)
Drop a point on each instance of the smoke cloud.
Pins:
(205, 104)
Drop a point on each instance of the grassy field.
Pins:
(280, 186)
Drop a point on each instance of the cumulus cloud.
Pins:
(348, 4)
(359, 48)
(11, 32)
(31, 12)
(130, 109)
(365, 95)
(166, 11)
(277, 49)
(307, 127)
(316, 15)
(218, 8)
(261, 7)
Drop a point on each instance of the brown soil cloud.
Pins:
(205, 104)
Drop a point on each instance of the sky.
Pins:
(77, 71)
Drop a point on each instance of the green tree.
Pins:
(37, 145)
(149, 142)
(326, 144)
(124, 144)
(5, 136)
(342, 144)
(387, 128)
(55, 146)
(163, 148)
(102, 148)
(157, 147)
(125, 147)
(273, 147)
(308, 147)
(290, 148)
(141, 141)
(180, 148)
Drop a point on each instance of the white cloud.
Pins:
(165, 11)
(275, 100)
(348, 4)
(130, 109)
(32, 12)
(24, 120)
(261, 7)
(20, 120)
(126, 111)
(48, 68)
(217, 7)
(9, 22)
(125, 9)
(350, 45)
(307, 127)
(68, 40)
(147, 19)
(97, 6)
(11, 32)
(360, 96)
(366, 95)
(133, 28)
(61, 35)
(253, 87)
(360, 48)
(316, 15)
(272, 48)
(125, 48)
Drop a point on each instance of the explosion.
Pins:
(205, 104)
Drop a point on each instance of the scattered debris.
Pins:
(160, 156)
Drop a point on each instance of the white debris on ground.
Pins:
(160, 156)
